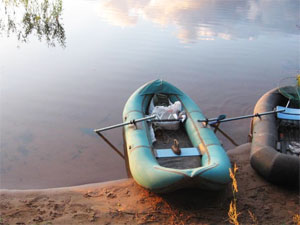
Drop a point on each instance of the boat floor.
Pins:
(289, 133)
(289, 138)
(165, 139)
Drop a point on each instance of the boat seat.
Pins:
(288, 113)
(166, 153)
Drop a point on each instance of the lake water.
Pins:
(68, 67)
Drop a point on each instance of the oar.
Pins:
(222, 118)
(124, 124)
(98, 131)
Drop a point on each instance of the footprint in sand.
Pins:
(37, 201)
(81, 216)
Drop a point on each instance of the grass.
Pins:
(296, 219)
(233, 214)
(253, 218)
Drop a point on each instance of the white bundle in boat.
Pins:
(170, 112)
(294, 147)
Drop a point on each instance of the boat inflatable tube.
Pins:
(213, 174)
(273, 165)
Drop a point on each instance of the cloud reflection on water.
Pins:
(200, 20)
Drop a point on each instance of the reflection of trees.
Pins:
(33, 17)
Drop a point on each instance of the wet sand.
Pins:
(124, 202)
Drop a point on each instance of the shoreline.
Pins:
(125, 202)
(67, 188)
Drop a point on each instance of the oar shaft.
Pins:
(111, 145)
(166, 120)
(242, 117)
(111, 127)
(124, 124)
(250, 116)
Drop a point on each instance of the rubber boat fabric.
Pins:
(272, 164)
(213, 174)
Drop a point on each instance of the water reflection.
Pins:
(200, 20)
(41, 18)
(51, 99)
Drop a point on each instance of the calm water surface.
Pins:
(68, 67)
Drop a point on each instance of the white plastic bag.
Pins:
(168, 113)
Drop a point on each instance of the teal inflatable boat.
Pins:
(187, 156)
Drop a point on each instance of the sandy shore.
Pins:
(124, 202)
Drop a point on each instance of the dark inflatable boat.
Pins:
(275, 140)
